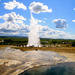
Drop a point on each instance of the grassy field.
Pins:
(1, 46)
(56, 49)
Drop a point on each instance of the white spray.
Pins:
(33, 38)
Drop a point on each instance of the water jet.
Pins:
(33, 38)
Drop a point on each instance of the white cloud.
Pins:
(13, 21)
(14, 25)
(60, 23)
(47, 32)
(73, 20)
(73, 8)
(40, 21)
(13, 4)
(37, 7)
(10, 17)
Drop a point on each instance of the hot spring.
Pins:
(36, 62)
(59, 69)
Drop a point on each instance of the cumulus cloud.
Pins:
(60, 23)
(37, 7)
(12, 21)
(73, 20)
(47, 32)
(14, 4)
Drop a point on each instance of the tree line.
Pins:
(44, 41)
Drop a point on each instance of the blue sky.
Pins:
(61, 9)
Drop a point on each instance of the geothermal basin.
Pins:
(15, 61)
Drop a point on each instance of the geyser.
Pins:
(33, 38)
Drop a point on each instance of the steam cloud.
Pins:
(33, 39)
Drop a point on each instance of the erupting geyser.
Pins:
(33, 38)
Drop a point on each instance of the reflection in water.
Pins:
(59, 69)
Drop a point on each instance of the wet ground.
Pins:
(15, 61)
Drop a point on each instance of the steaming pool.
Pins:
(36, 62)
(59, 69)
